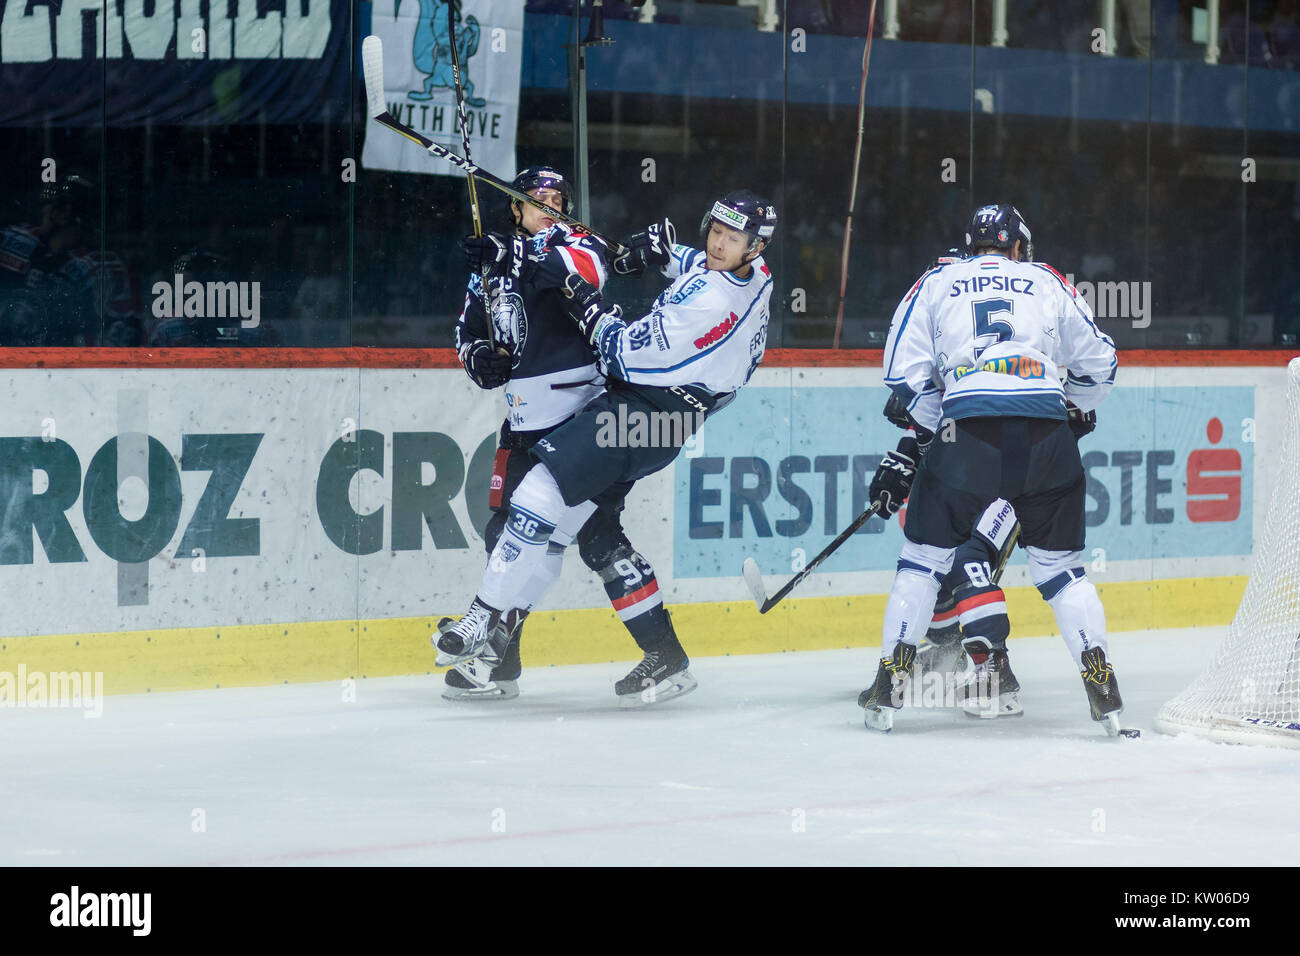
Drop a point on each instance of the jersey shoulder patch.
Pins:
(689, 287)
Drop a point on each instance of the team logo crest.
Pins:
(510, 322)
(431, 50)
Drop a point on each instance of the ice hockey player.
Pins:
(994, 328)
(550, 372)
(970, 613)
(686, 359)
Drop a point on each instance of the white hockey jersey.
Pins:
(985, 336)
(707, 329)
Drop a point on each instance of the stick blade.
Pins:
(754, 580)
(372, 66)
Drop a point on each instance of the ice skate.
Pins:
(661, 675)
(991, 689)
(1103, 690)
(494, 674)
(882, 698)
(467, 638)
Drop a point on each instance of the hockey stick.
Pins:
(853, 190)
(488, 297)
(372, 65)
(754, 578)
(460, 113)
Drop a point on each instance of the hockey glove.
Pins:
(893, 481)
(1081, 422)
(487, 255)
(486, 366)
(654, 247)
(587, 307)
(896, 412)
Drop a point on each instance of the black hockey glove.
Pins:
(587, 307)
(486, 366)
(893, 480)
(896, 412)
(1081, 422)
(490, 254)
(653, 247)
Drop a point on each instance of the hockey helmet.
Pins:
(76, 193)
(999, 226)
(541, 177)
(746, 211)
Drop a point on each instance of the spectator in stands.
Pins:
(1137, 26)
(1242, 41)
(56, 287)
(1284, 35)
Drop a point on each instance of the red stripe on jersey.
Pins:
(1065, 282)
(943, 617)
(636, 596)
(583, 263)
(979, 600)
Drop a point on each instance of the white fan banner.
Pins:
(420, 88)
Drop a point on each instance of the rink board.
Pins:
(195, 527)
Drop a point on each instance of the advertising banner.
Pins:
(125, 62)
(133, 499)
(1170, 475)
(420, 88)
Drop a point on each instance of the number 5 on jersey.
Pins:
(984, 327)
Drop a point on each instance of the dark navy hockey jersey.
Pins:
(531, 322)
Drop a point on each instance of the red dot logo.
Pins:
(1214, 430)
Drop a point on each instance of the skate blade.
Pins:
(1110, 724)
(497, 690)
(1005, 706)
(879, 718)
(678, 685)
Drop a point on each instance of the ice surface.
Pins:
(767, 763)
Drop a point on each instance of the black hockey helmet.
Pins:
(998, 226)
(74, 192)
(746, 211)
(541, 177)
(201, 265)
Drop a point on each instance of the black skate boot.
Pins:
(882, 698)
(461, 640)
(494, 674)
(1103, 690)
(991, 689)
(661, 675)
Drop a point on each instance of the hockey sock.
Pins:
(1064, 585)
(548, 570)
(536, 508)
(921, 570)
(907, 613)
(634, 593)
(1081, 618)
(544, 575)
(983, 613)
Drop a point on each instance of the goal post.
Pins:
(1250, 693)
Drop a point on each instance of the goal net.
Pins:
(1251, 691)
